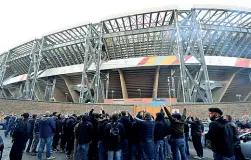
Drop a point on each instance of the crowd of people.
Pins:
(122, 136)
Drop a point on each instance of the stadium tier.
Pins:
(199, 54)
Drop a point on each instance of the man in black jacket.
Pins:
(20, 137)
(114, 134)
(159, 134)
(127, 125)
(177, 134)
(84, 137)
(101, 130)
(58, 132)
(221, 135)
(32, 124)
(237, 146)
(196, 131)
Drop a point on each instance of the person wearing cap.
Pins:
(46, 132)
(20, 137)
(178, 144)
(146, 126)
(221, 135)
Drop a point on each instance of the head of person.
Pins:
(54, 114)
(159, 116)
(214, 113)
(25, 116)
(47, 114)
(123, 113)
(79, 119)
(85, 118)
(228, 118)
(34, 116)
(115, 117)
(176, 115)
(147, 116)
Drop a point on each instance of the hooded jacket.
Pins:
(46, 127)
(159, 129)
(84, 132)
(127, 125)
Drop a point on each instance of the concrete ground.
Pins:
(61, 156)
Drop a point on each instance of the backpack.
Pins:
(114, 132)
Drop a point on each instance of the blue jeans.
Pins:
(178, 149)
(187, 146)
(114, 155)
(219, 157)
(101, 150)
(48, 143)
(135, 152)
(147, 150)
(126, 150)
(84, 149)
(159, 150)
(167, 147)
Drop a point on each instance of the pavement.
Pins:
(208, 155)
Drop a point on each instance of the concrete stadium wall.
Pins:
(201, 110)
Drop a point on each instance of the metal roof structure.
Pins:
(198, 31)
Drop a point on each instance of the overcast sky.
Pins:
(24, 20)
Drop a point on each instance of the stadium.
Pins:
(201, 54)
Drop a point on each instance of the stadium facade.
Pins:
(188, 55)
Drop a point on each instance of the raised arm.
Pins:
(168, 113)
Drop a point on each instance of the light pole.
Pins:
(140, 97)
(66, 94)
(169, 91)
(112, 93)
(239, 96)
(139, 92)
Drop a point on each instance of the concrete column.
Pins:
(156, 83)
(69, 84)
(59, 96)
(38, 93)
(218, 95)
(123, 84)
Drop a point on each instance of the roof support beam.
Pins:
(219, 94)
(69, 84)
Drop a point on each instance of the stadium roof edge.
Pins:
(178, 7)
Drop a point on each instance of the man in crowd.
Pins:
(159, 134)
(36, 137)
(20, 137)
(127, 125)
(177, 134)
(237, 145)
(221, 135)
(196, 132)
(146, 126)
(114, 133)
(58, 132)
(46, 132)
(32, 124)
(84, 135)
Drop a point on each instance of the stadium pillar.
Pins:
(69, 84)
(189, 34)
(156, 83)
(249, 93)
(2, 73)
(59, 96)
(123, 84)
(218, 95)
